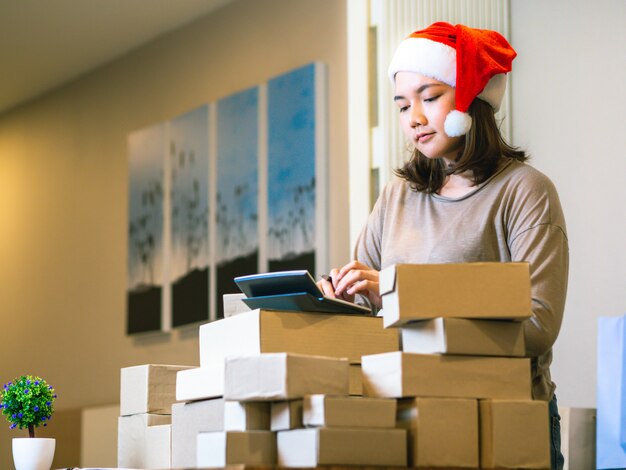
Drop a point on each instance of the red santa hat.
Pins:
(474, 61)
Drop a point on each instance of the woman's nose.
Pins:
(417, 117)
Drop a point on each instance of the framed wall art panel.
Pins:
(146, 274)
(189, 216)
(237, 199)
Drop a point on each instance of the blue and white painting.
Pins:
(189, 216)
(291, 170)
(145, 229)
(237, 241)
(225, 190)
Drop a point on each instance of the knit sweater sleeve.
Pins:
(539, 237)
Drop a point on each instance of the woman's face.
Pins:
(424, 104)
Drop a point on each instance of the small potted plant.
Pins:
(27, 402)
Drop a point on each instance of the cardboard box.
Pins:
(189, 419)
(514, 434)
(218, 449)
(341, 446)
(286, 414)
(355, 387)
(463, 336)
(578, 437)
(148, 388)
(399, 374)
(131, 438)
(200, 383)
(283, 376)
(266, 331)
(352, 412)
(443, 432)
(247, 416)
(159, 446)
(234, 305)
(467, 290)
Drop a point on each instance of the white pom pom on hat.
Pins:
(473, 61)
(457, 123)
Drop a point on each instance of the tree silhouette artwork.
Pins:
(234, 223)
(189, 211)
(188, 263)
(293, 231)
(142, 231)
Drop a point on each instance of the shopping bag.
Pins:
(611, 403)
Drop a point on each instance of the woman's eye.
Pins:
(431, 99)
(403, 108)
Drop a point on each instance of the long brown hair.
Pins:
(482, 150)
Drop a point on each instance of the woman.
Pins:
(465, 195)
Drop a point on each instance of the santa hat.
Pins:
(474, 61)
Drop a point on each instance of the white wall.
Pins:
(569, 102)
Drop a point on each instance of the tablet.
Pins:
(291, 290)
(277, 283)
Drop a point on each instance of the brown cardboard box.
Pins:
(266, 331)
(341, 446)
(514, 434)
(443, 432)
(463, 336)
(356, 380)
(200, 383)
(399, 374)
(218, 449)
(578, 437)
(283, 376)
(467, 290)
(286, 414)
(353, 412)
(131, 438)
(188, 419)
(149, 388)
(247, 416)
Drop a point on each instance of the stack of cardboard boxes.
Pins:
(273, 388)
(228, 401)
(251, 383)
(144, 427)
(341, 430)
(464, 390)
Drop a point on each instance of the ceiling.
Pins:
(46, 43)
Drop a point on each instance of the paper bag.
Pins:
(611, 432)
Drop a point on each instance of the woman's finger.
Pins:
(326, 287)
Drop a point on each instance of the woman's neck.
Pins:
(457, 186)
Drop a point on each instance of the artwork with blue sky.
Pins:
(145, 228)
(203, 166)
(189, 170)
(237, 176)
(291, 165)
(145, 211)
(189, 216)
(237, 198)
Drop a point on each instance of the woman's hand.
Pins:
(354, 278)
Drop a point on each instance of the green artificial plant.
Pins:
(27, 402)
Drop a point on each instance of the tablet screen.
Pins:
(277, 283)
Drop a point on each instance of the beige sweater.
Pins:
(514, 216)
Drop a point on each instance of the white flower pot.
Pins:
(33, 453)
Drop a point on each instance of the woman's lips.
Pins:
(421, 138)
